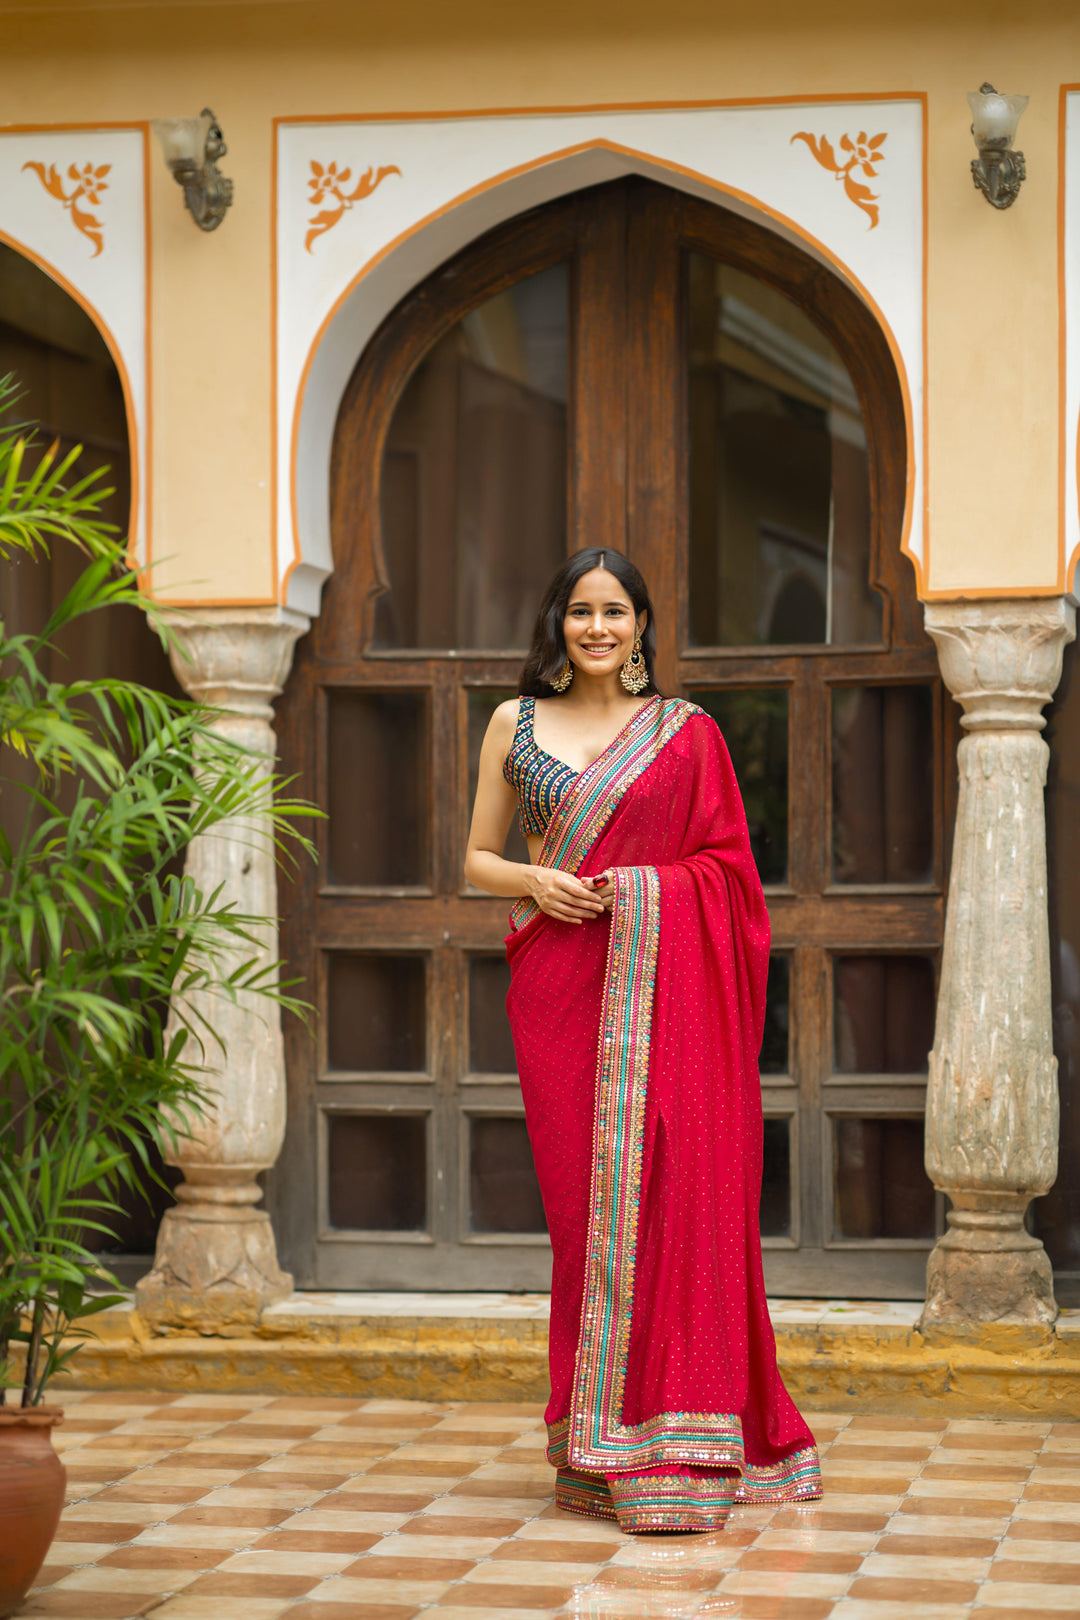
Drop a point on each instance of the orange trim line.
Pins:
(216, 601)
(600, 106)
(1065, 564)
(140, 483)
(675, 168)
(118, 360)
(278, 585)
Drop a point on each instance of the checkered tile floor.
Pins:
(238, 1507)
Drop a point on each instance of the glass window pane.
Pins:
(504, 1194)
(883, 784)
(884, 1014)
(491, 1049)
(474, 475)
(881, 1189)
(774, 1046)
(779, 483)
(775, 1208)
(483, 701)
(376, 1013)
(377, 1171)
(376, 756)
(755, 728)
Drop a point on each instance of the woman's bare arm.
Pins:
(556, 893)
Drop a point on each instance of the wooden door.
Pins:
(626, 367)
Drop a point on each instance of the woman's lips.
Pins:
(599, 652)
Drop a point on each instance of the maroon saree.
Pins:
(637, 1040)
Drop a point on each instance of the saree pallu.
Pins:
(637, 1038)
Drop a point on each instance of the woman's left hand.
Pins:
(603, 888)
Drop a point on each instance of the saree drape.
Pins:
(637, 1040)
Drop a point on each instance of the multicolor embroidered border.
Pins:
(583, 813)
(796, 1479)
(672, 1501)
(583, 1493)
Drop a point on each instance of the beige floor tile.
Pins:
(1003, 1490)
(926, 1569)
(97, 1579)
(346, 1589)
(784, 1583)
(285, 1563)
(538, 1529)
(78, 1552)
(315, 1519)
(179, 1475)
(926, 1524)
(211, 1608)
(826, 1540)
(1017, 1595)
(529, 1574)
(246, 1496)
(406, 1546)
(1065, 1512)
(861, 1609)
(454, 1611)
(196, 1535)
(1062, 1552)
(133, 1513)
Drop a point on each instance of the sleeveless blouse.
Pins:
(538, 778)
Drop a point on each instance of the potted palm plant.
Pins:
(100, 933)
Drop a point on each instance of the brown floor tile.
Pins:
(131, 1441)
(148, 1491)
(316, 1541)
(551, 1552)
(498, 1438)
(1052, 1493)
(1043, 1530)
(79, 1474)
(268, 1431)
(619, 1578)
(798, 1562)
(1065, 1431)
(288, 1482)
(422, 1467)
(937, 1546)
(1059, 1459)
(886, 1589)
(860, 1485)
(127, 1397)
(252, 1518)
(445, 1524)
(502, 1487)
(522, 1409)
(957, 1507)
(505, 1597)
(372, 1502)
(208, 1414)
(90, 1605)
(1001, 1471)
(905, 1425)
(227, 1583)
(51, 1574)
(361, 1611)
(994, 1613)
(95, 1530)
(385, 1568)
(799, 1519)
(313, 1403)
(165, 1558)
(1048, 1574)
(990, 1440)
(842, 1453)
(784, 1608)
(391, 1420)
(90, 1425)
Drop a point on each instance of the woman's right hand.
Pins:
(560, 895)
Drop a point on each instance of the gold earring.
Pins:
(563, 678)
(634, 674)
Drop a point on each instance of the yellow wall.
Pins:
(993, 319)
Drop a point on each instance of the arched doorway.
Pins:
(635, 367)
(70, 388)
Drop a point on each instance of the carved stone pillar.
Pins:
(992, 1106)
(216, 1264)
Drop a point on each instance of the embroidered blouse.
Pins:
(539, 779)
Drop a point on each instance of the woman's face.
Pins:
(600, 627)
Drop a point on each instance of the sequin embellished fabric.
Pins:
(539, 779)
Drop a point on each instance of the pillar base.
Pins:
(215, 1271)
(988, 1267)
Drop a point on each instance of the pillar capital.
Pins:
(992, 1105)
(216, 1263)
(1001, 656)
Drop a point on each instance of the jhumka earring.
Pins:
(563, 678)
(634, 673)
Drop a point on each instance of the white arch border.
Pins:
(331, 295)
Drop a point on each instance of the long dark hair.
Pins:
(547, 655)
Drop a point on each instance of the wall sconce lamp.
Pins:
(192, 147)
(998, 171)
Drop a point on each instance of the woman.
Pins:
(638, 955)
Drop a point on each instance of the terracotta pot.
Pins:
(31, 1495)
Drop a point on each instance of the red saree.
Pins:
(637, 1040)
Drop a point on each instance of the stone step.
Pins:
(834, 1355)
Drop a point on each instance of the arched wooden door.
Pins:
(628, 367)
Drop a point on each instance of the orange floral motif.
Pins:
(329, 182)
(864, 155)
(90, 182)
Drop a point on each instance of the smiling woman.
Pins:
(639, 956)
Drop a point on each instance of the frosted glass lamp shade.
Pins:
(994, 118)
(183, 140)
